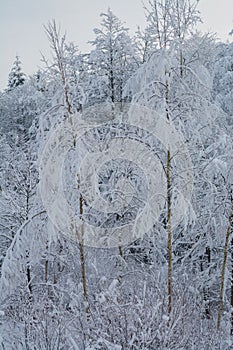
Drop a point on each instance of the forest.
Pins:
(116, 190)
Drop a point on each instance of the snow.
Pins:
(84, 199)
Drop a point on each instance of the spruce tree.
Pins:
(16, 76)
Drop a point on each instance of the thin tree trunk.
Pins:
(60, 266)
(203, 258)
(121, 252)
(229, 229)
(120, 263)
(206, 290)
(82, 253)
(28, 267)
(231, 283)
(169, 232)
(181, 63)
(167, 100)
(26, 336)
(169, 214)
(111, 75)
(28, 273)
(46, 262)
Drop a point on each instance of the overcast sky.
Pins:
(21, 25)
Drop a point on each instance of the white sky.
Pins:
(22, 33)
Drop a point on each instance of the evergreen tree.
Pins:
(16, 76)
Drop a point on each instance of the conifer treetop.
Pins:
(16, 76)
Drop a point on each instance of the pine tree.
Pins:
(16, 76)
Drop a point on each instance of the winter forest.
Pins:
(116, 192)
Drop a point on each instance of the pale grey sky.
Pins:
(22, 33)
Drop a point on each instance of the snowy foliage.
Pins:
(110, 62)
(16, 76)
(223, 79)
(87, 138)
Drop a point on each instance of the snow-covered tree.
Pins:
(168, 288)
(169, 22)
(111, 61)
(184, 97)
(223, 79)
(16, 76)
(65, 70)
